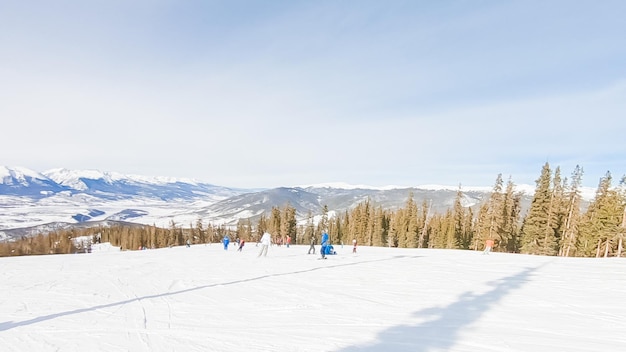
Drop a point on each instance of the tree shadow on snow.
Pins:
(4, 326)
(444, 324)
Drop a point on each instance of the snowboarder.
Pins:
(226, 241)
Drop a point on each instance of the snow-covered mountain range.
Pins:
(34, 201)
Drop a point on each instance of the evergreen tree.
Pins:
(539, 230)
(490, 216)
(200, 231)
(448, 228)
(274, 224)
(322, 225)
(261, 227)
(458, 221)
(602, 223)
(440, 228)
(380, 228)
(572, 214)
(393, 239)
(468, 228)
(411, 227)
(309, 230)
(399, 227)
(289, 223)
(422, 240)
(508, 229)
(346, 225)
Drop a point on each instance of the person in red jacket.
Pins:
(241, 243)
(488, 246)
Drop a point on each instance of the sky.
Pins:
(204, 298)
(259, 94)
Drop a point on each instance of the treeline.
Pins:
(127, 237)
(555, 224)
(52, 243)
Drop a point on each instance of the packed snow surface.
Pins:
(205, 298)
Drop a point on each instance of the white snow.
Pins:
(203, 298)
(344, 185)
(72, 177)
(19, 173)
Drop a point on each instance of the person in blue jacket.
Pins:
(226, 241)
(324, 245)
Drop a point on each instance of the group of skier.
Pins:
(266, 240)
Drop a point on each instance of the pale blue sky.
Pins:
(283, 93)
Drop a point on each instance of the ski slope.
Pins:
(204, 298)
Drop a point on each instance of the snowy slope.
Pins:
(204, 298)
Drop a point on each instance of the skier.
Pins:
(324, 244)
(488, 246)
(266, 240)
(354, 245)
(226, 241)
(312, 248)
(241, 243)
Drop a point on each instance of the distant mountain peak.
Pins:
(18, 174)
(74, 177)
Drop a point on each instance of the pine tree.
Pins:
(274, 224)
(288, 222)
(440, 231)
(602, 223)
(410, 228)
(261, 227)
(423, 239)
(539, 230)
(559, 208)
(322, 225)
(200, 231)
(458, 215)
(337, 228)
(448, 227)
(343, 224)
(380, 227)
(393, 239)
(572, 214)
(490, 216)
(399, 227)
(508, 229)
